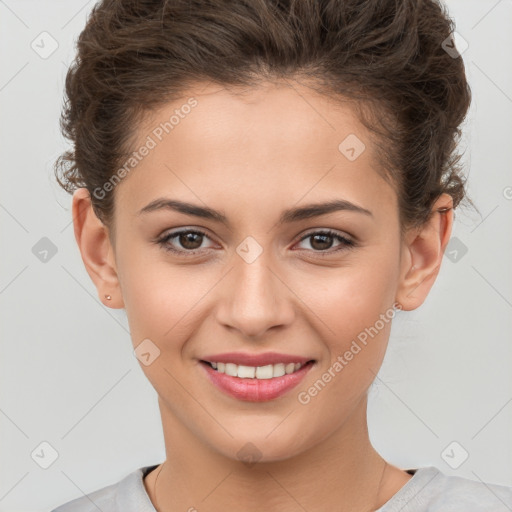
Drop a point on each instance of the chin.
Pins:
(258, 450)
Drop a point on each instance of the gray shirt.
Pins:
(429, 490)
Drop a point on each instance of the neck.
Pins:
(343, 472)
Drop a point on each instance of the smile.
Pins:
(269, 371)
(255, 383)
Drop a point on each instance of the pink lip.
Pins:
(256, 390)
(255, 359)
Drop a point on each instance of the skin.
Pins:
(251, 157)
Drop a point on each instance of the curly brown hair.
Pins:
(385, 56)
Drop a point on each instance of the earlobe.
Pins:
(96, 250)
(422, 254)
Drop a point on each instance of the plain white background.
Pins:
(68, 376)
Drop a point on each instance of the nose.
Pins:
(255, 298)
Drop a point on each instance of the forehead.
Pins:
(273, 113)
(258, 143)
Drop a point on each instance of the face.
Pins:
(265, 272)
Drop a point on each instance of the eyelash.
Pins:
(345, 242)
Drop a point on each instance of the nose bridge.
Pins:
(256, 299)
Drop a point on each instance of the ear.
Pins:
(422, 253)
(92, 237)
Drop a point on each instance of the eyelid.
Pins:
(163, 240)
(346, 242)
(327, 231)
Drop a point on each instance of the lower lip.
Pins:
(256, 390)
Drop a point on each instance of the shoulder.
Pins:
(127, 495)
(430, 490)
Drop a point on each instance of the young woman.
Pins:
(262, 185)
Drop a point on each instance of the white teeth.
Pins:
(246, 372)
(259, 372)
(290, 368)
(279, 370)
(264, 372)
(231, 369)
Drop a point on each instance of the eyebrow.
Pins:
(288, 216)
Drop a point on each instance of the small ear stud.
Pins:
(108, 297)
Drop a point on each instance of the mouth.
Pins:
(256, 383)
(269, 371)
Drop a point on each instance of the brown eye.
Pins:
(190, 239)
(186, 242)
(321, 241)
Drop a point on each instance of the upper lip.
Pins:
(264, 359)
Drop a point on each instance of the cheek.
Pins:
(161, 300)
(163, 305)
(352, 297)
(355, 306)
(356, 310)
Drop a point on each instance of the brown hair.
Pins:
(384, 55)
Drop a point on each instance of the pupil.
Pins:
(187, 240)
(323, 243)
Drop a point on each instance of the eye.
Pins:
(322, 240)
(189, 239)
